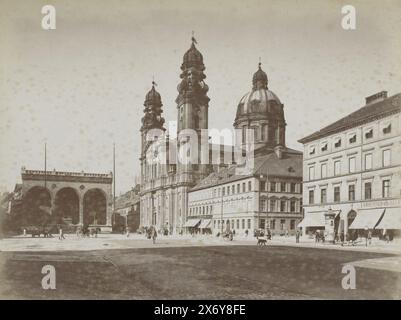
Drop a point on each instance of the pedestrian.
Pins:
(246, 232)
(342, 238)
(61, 234)
(24, 232)
(369, 237)
(127, 232)
(154, 235)
(286, 233)
(297, 234)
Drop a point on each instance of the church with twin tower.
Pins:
(165, 185)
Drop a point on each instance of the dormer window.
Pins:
(337, 143)
(312, 151)
(352, 138)
(387, 129)
(324, 146)
(369, 134)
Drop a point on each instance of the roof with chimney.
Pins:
(377, 106)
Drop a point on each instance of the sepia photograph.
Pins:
(180, 151)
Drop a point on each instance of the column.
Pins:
(81, 210)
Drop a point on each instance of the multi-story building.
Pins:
(270, 194)
(352, 170)
(269, 197)
(127, 210)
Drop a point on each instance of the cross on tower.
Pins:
(193, 38)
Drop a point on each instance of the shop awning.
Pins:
(391, 219)
(205, 223)
(313, 219)
(191, 222)
(366, 219)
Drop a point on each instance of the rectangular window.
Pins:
(337, 167)
(323, 196)
(228, 190)
(386, 188)
(311, 196)
(368, 190)
(243, 223)
(262, 223)
(224, 191)
(323, 170)
(263, 206)
(282, 224)
(292, 206)
(249, 223)
(337, 194)
(369, 134)
(272, 187)
(386, 157)
(368, 161)
(311, 173)
(262, 185)
(272, 205)
(243, 187)
(351, 192)
(249, 186)
(273, 224)
(233, 189)
(238, 188)
(293, 187)
(282, 186)
(282, 206)
(351, 163)
(387, 129)
(237, 223)
(292, 224)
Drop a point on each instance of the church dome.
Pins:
(260, 100)
(153, 97)
(261, 111)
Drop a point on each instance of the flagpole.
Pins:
(45, 166)
(114, 181)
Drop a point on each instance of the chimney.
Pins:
(376, 97)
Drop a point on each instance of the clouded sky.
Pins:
(81, 87)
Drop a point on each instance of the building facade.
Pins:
(70, 198)
(269, 196)
(127, 211)
(165, 183)
(352, 171)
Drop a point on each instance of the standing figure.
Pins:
(154, 235)
(61, 234)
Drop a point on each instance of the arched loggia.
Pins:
(95, 207)
(36, 207)
(66, 206)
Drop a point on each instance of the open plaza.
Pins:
(113, 266)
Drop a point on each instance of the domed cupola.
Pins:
(193, 58)
(152, 118)
(261, 110)
(259, 79)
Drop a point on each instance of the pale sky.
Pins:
(81, 87)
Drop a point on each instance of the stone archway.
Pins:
(36, 207)
(66, 206)
(94, 207)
